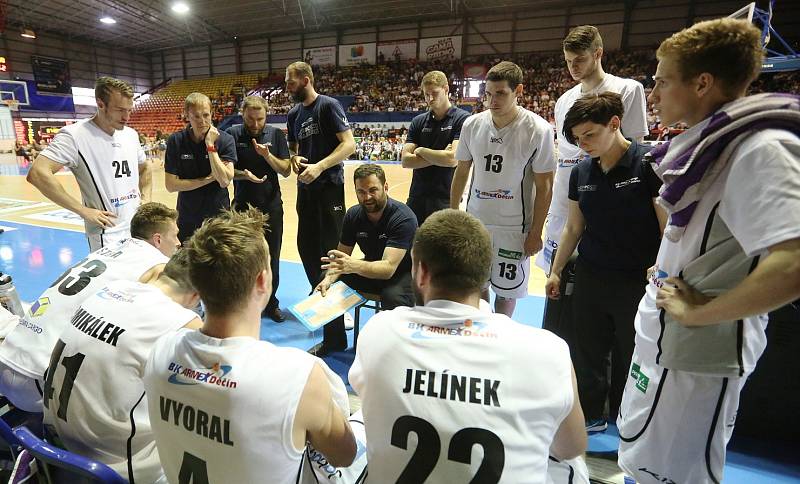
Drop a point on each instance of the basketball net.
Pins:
(12, 104)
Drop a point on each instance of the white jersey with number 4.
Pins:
(454, 394)
(223, 410)
(106, 168)
(503, 163)
(94, 394)
(27, 347)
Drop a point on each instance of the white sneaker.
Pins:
(349, 323)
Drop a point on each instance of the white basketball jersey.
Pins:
(105, 167)
(94, 394)
(634, 125)
(503, 163)
(222, 410)
(453, 394)
(27, 347)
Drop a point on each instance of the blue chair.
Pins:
(61, 466)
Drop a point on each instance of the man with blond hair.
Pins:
(198, 165)
(101, 152)
(261, 154)
(730, 252)
(431, 146)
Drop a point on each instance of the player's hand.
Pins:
(533, 244)
(309, 173)
(211, 135)
(297, 160)
(253, 178)
(323, 286)
(552, 288)
(338, 262)
(262, 150)
(102, 218)
(680, 301)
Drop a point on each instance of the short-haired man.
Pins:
(320, 140)
(198, 165)
(384, 229)
(25, 352)
(108, 162)
(94, 395)
(583, 52)
(261, 154)
(449, 373)
(513, 154)
(730, 252)
(225, 406)
(431, 147)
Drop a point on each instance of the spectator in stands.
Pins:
(319, 140)
(261, 154)
(199, 166)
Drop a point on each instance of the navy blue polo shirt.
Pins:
(188, 160)
(622, 232)
(396, 228)
(267, 195)
(314, 129)
(429, 132)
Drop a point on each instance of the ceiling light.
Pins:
(180, 7)
(28, 34)
(107, 20)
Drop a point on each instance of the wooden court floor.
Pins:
(15, 187)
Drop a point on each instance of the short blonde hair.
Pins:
(728, 49)
(254, 102)
(195, 99)
(434, 79)
(583, 38)
(301, 68)
(105, 85)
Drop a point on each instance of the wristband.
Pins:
(211, 149)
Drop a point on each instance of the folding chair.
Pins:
(373, 301)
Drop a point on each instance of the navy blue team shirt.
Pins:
(266, 195)
(314, 129)
(396, 228)
(429, 132)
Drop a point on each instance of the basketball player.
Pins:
(94, 394)
(108, 162)
(449, 373)
(431, 147)
(224, 406)
(198, 165)
(262, 153)
(730, 252)
(25, 352)
(320, 139)
(583, 52)
(512, 152)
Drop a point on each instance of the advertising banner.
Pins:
(320, 56)
(440, 48)
(398, 50)
(355, 54)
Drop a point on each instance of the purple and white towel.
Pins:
(691, 162)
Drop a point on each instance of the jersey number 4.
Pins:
(428, 448)
(494, 163)
(121, 168)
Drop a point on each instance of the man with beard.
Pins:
(384, 229)
(262, 153)
(320, 139)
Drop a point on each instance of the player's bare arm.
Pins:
(573, 230)
(221, 171)
(543, 183)
(346, 147)
(332, 274)
(280, 165)
(570, 440)
(343, 263)
(410, 159)
(146, 180)
(773, 283)
(42, 175)
(175, 184)
(460, 177)
(445, 157)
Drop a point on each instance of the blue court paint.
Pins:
(36, 256)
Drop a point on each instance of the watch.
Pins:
(211, 149)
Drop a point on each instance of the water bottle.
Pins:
(9, 297)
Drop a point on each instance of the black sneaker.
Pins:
(274, 314)
(322, 349)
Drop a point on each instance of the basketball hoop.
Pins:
(12, 104)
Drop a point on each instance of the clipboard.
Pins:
(315, 311)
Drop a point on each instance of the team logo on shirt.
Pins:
(509, 254)
(497, 140)
(625, 183)
(469, 329)
(656, 276)
(568, 163)
(187, 156)
(40, 306)
(124, 199)
(110, 295)
(193, 376)
(587, 188)
(498, 194)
